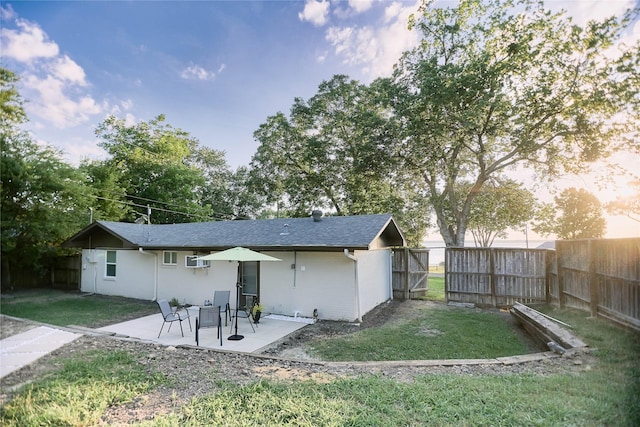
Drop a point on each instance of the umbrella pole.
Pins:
(236, 337)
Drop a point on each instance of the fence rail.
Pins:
(601, 276)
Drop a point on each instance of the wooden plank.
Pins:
(545, 327)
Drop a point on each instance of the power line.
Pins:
(214, 216)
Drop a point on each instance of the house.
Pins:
(337, 265)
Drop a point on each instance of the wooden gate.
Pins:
(410, 273)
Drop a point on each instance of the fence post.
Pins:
(492, 278)
(406, 274)
(547, 277)
(593, 278)
(559, 258)
(446, 275)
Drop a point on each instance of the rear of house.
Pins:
(339, 266)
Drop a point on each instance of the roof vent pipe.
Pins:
(317, 215)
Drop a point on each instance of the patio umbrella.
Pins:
(238, 254)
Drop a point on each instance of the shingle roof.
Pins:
(353, 232)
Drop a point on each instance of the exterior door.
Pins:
(250, 282)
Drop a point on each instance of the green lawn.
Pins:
(73, 308)
(439, 332)
(436, 288)
(604, 394)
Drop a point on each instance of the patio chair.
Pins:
(209, 317)
(242, 313)
(170, 316)
(221, 299)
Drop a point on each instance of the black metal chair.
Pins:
(241, 312)
(209, 317)
(169, 316)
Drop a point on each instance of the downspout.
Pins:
(355, 269)
(155, 271)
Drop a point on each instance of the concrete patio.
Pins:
(267, 332)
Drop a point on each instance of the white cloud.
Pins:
(127, 104)
(66, 69)
(27, 43)
(52, 81)
(585, 10)
(360, 6)
(118, 108)
(315, 12)
(7, 14)
(196, 72)
(55, 106)
(321, 57)
(80, 149)
(376, 49)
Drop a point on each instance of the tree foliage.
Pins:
(152, 164)
(496, 84)
(332, 153)
(11, 104)
(500, 206)
(629, 205)
(44, 200)
(577, 214)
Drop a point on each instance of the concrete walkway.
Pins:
(19, 350)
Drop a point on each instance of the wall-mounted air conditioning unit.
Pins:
(192, 261)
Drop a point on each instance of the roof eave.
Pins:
(75, 240)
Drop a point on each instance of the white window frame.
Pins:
(113, 263)
(173, 258)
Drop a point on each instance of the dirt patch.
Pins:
(9, 327)
(195, 371)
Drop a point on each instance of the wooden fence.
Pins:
(601, 276)
(410, 273)
(65, 273)
(62, 273)
(495, 276)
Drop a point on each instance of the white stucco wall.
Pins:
(321, 280)
(134, 274)
(144, 276)
(195, 285)
(325, 281)
(374, 276)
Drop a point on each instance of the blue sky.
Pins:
(216, 69)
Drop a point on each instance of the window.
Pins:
(111, 264)
(170, 258)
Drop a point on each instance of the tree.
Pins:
(501, 205)
(44, 200)
(110, 202)
(243, 198)
(577, 215)
(155, 165)
(495, 84)
(218, 177)
(332, 153)
(630, 205)
(11, 110)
